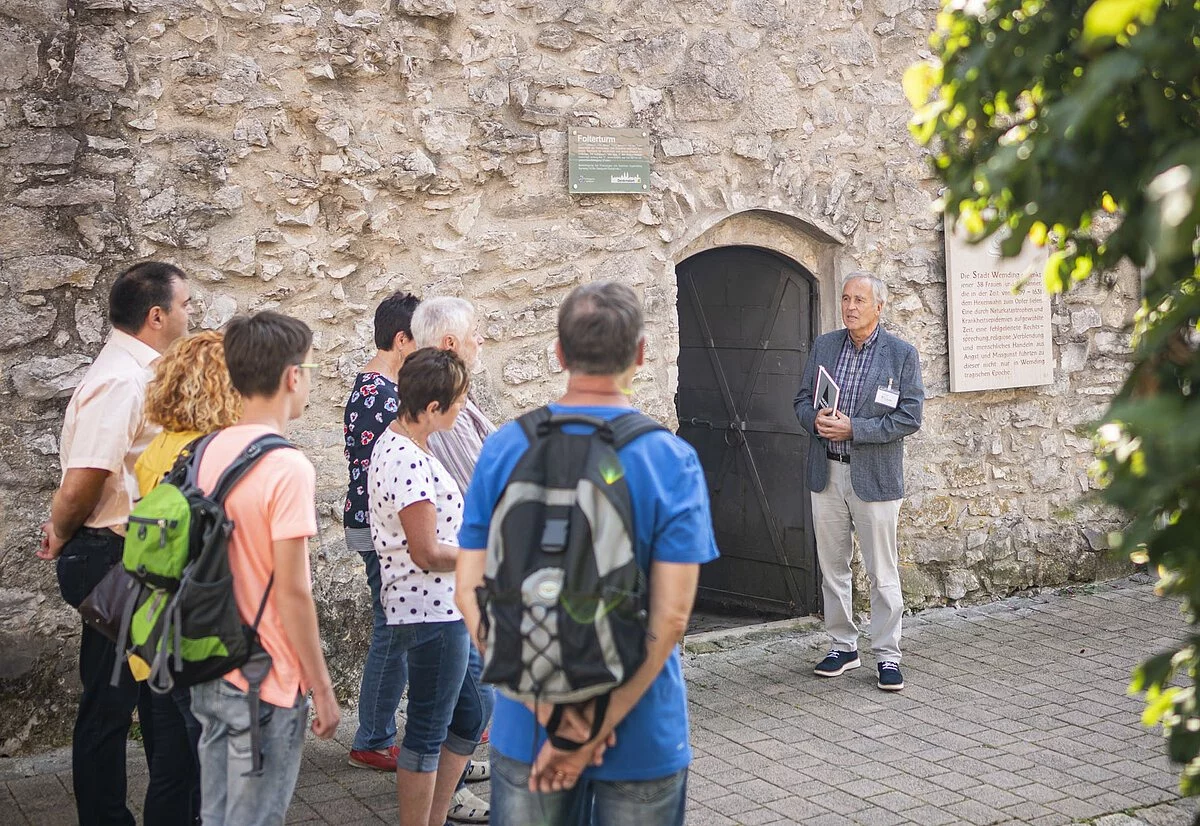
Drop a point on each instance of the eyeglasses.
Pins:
(311, 365)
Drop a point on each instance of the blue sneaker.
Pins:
(836, 663)
(890, 678)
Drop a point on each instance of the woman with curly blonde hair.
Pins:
(190, 395)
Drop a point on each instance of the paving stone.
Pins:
(982, 735)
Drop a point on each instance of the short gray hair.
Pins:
(879, 290)
(436, 318)
(599, 327)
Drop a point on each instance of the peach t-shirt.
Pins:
(274, 501)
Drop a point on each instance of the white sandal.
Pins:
(466, 807)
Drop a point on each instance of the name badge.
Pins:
(887, 397)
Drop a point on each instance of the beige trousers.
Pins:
(837, 511)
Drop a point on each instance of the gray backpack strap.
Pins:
(242, 464)
(533, 421)
(630, 426)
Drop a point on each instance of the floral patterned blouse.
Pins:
(371, 407)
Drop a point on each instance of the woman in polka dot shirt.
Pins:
(416, 511)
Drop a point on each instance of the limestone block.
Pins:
(1072, 357)
(254, 132)
(660, 53)
(25, 230)
(959, 583)
(18, 59)
(556, 38)
(100, 60)
(712, 48)
(918, 584)
(20, 325)
(197, 29)
(753, 145)
(30, 146)
(38, 12)
(228, 197)
(1113, 344)
(241, 9)
(891, 8)
(444, 131)
(361, 19)
(42, 378)
(79, 191)
(306, 217)
(854, 48)
(46, 272)
(642, 98)
(676, 147)
(220, 309)
(526, 367)
(1085, 319)
(160, 206)
(426, 8)
(772, 99)
(89, 322)
(764, 14)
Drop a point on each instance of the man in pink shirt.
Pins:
(273, 511)
(103, 434)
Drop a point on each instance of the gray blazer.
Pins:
(877, 447)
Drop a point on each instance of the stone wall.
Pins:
(313, 155)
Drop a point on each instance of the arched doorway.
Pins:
(747, 319)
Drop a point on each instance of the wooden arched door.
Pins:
(747, 319)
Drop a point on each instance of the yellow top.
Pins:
(159, 457)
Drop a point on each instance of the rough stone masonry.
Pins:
(314, 155)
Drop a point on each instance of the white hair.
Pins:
(879, 290)
(437, 318)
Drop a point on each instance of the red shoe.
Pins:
(383, 761)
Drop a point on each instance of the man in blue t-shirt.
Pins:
(635, 769)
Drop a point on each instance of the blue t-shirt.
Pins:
(673, 524)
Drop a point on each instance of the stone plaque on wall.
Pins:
(608, 160)
(998, 337)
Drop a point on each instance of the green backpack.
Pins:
(183, 624)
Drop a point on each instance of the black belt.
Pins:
(100, 533)
(844, 458)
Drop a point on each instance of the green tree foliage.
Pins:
(1077, 124)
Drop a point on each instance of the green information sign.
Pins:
(609, 160)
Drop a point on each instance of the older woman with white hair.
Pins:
(449, 323)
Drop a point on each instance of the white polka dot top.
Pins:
(402, 474)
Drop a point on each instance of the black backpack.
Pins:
(563, 601)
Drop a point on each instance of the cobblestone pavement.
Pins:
(1015, 712)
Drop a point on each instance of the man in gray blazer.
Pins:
(856, 471)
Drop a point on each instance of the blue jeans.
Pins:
(385, 674)
(447, 704)
(230, 798)
(662, 802)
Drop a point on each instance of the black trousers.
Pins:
(105, 711)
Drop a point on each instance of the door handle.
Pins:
(694, 422)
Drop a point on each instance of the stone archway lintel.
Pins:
(798, 237)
